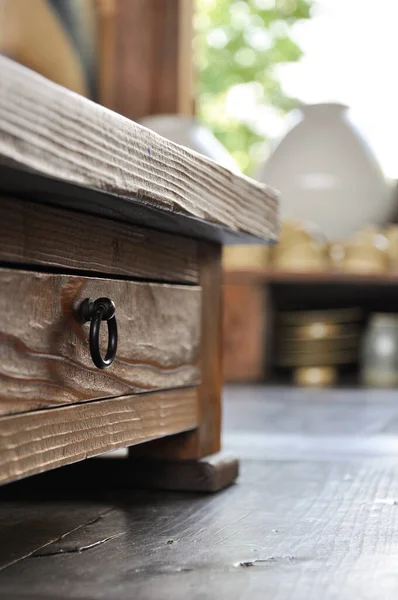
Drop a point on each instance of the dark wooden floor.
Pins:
(314, 515)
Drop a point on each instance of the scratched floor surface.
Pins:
(314, 515)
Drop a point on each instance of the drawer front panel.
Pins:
(44, 350)
(42, 235)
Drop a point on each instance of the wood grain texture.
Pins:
(44, 528)
(48, 129)
(42, 235)
(207, 438)
(43, 190)
(312, 517)
(42, 440)
(45, 357)
(244, 331)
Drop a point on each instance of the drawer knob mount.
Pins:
(95, 311)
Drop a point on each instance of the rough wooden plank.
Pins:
(297, 526)
(92, 533)
(28, 529)
(42, 440)
(65, 239)
(207, 438)
(288, 530)
(45, 357)
(43, 190)
(55, 132)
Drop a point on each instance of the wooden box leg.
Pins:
(209, 474)
(170, 454)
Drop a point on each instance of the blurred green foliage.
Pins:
(239, 44)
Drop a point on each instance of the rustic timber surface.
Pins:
(48, 236)
(45, 439)
(49, 130)
(313, 516)
(45, 357)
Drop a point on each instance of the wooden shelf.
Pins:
(309, 277)
(253, 298)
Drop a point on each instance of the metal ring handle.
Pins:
(102, 309)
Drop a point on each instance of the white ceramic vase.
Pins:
(327, 174)
(379, 352)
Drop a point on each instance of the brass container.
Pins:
(315, 376)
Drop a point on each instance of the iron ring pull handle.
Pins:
(102, 309)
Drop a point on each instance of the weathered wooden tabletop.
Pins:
(313, 516)
(57, 147)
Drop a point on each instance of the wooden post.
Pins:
(191, 460)
(146, 56)
(205, 439)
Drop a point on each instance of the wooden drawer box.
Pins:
(44, 349)
(94, 206)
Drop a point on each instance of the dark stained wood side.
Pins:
(26, 528)
(313, 515)
(45, 357)
(52, 237)
(207, 439)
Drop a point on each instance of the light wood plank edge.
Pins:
(42, 440)
(49, 129)
(53, 237)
